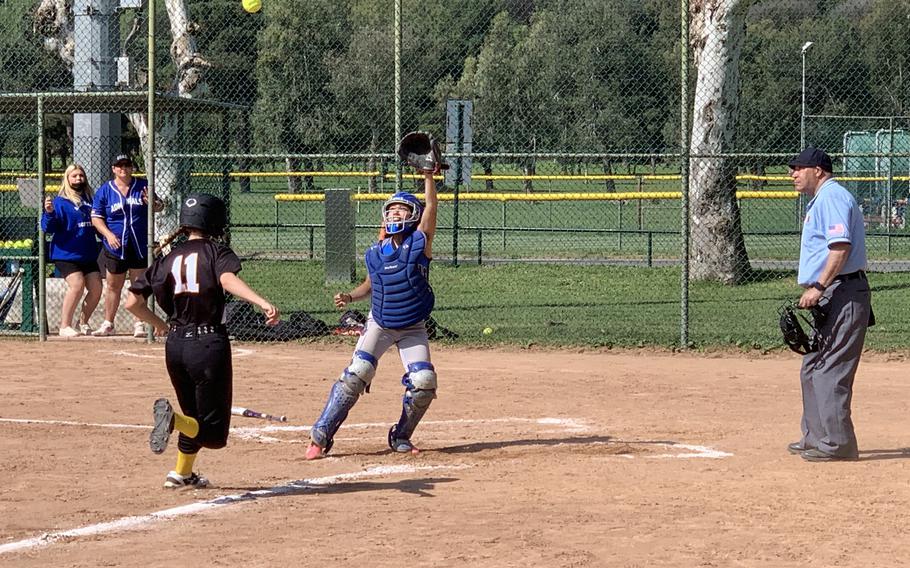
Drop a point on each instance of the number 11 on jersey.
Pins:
(184, 272)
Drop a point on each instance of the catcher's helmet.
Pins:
(393, 226)
(204, 212)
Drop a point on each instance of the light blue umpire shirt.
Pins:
(831, 217)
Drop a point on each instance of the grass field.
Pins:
(560, 303)
(529, 304)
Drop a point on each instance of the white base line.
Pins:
(259, 433)
(568, 424)
(136, 522)
(235, 351)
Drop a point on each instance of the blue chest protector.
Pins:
(401, 292)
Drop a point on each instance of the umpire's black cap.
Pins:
(812, 158)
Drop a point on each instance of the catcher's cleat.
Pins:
(176, 481)
(164, 425)
(401, 445)
(314, 452)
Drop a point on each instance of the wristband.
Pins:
(818, 286)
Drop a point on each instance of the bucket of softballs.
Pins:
(9, 250)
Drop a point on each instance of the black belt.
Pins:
(859, 274)
(190, 331)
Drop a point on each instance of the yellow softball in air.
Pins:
(252, 6)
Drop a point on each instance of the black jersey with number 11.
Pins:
(187, 282)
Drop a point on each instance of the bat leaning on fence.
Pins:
(250, 413)
(9, 294)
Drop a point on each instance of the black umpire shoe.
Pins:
(798, 448)
(816, 455)
(164, 425)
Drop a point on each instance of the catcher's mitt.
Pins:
(421, 151)
(794, 336)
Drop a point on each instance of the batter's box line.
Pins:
(569, 425)
(260, 433)
(290, 488)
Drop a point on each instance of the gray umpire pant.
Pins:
(827, 375)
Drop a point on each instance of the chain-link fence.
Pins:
(610, 184)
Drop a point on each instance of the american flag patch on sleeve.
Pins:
(837, 229)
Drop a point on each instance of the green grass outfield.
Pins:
(592, 305)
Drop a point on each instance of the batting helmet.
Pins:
(204, 212)
(393, 226)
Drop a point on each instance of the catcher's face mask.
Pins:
(394, 219)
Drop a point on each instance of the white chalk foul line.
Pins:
(260, 433)
(235, 351)
(140, 521)
(253, 432)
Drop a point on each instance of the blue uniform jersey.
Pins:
(126, 216)
(831, 217)
(400, 280)
(73, 235)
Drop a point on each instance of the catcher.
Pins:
(401, 299)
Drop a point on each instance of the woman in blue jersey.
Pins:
(120, 215)
(401, 299)
(74, 248)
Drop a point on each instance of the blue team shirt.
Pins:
(74, 237)
(126, 216)
(831, 217)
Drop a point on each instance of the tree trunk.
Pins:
(53, 21)
(609, 184)
(371, 164)
(245, 140)
(759, 171)
(294, 182)
(488, 171)
(530, 169)
(716, 230)
(308, 180)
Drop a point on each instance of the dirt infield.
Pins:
(530, 458)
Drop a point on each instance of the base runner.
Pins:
(189, 285)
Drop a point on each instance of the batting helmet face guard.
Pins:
(204, 212)
(394, 221)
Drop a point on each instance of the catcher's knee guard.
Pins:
(347, 389)
(420, 390)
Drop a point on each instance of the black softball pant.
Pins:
(201, 372)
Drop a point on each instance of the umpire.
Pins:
(832, 259)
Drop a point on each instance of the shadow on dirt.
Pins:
(420, 487)
(895, 454)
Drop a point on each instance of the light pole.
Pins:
(802, 121)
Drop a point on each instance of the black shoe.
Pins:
(816, 455)
(164, 425)
(798, 448)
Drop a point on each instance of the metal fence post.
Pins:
(339, 236)
(40, 272)
(684, 171)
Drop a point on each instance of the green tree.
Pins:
(295, 109)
